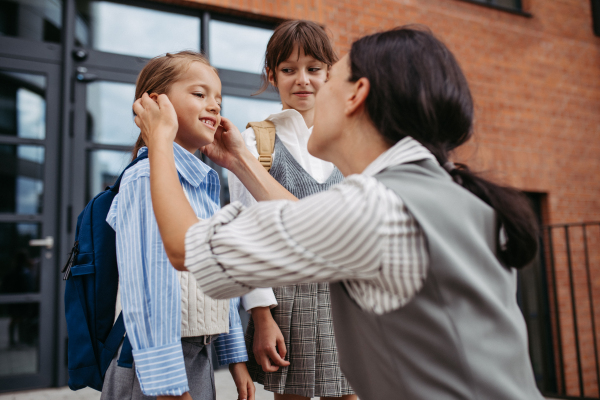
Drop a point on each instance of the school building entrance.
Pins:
(67, 82)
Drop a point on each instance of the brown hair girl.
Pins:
(307, 35)
(159, 74)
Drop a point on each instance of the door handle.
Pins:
(47, 243)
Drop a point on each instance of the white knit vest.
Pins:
(200, 314)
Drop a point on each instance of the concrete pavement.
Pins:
(225, 391)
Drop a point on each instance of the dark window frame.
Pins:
(488, 3)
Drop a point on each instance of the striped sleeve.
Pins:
(330, 236)
(231, 346)
(150, 292)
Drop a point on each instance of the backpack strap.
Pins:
(265, 141)
(111, 344)
(115, 187)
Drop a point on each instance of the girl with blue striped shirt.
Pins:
(169, 320)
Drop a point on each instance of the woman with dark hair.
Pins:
(420, 253)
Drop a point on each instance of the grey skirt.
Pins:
(303, 314)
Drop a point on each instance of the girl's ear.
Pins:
(154, 96)
(271, 77)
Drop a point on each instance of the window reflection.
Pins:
(22, 105)
(123, 29)
(241, 110)
(31, 19)
(21, 178)
(238, 47)
(105, 166)
(19, 338)
(19, 262)
(110, 119)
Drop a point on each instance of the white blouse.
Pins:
(293, 133)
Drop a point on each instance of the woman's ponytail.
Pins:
(517, 247)
(417, 89)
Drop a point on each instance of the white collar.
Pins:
(405, 151)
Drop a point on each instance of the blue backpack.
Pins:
(91, 294)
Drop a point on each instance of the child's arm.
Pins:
(158, 124)
(231, 349)
(268, 343)
(243, 382)
(152, 312)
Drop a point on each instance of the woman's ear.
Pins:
(358, 96)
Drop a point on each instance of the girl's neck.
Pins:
(191, 148)
(308, 115)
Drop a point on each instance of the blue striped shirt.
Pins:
(149, 286)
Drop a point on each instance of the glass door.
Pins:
(29, 126)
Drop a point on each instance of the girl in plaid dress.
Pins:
(291, 347)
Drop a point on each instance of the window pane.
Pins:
(241, 110)
(19, 338)
(21, 179)
(515, 4)
(22, 105)
(238, 47)
(31, 19)
(123, 29)
(19, 262)
(109, 115)
(105, 166)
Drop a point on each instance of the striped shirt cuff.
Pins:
(231, 347)
(161, 370)
(201, 262)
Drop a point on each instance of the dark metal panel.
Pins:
(29, 49)
(5, 139)
(20, 298)
(20, 218)
(116, 147)
(110, 61)
(64, 225)
(204, 44)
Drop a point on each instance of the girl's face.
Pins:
(196, 97)
(299, 78)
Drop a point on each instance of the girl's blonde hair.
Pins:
(160, 73)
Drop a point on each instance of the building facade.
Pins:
(67, 75)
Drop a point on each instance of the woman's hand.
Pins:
(228, 148)
(243, 382)
(268, 343)
(156, 118)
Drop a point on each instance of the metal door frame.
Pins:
(46, 297)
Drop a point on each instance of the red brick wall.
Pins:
(536, 85)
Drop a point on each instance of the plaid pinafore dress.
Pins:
(303, 312)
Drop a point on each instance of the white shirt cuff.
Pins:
(260, 297)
